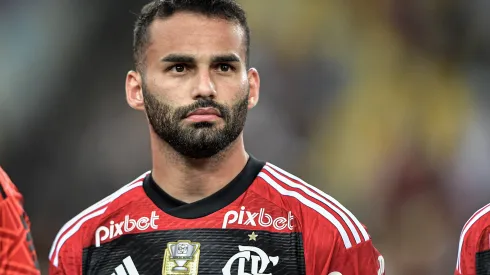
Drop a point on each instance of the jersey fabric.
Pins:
(17, 253)
(266, 221)
(474, 245)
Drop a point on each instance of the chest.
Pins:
(198, 251)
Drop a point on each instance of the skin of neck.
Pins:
(190, 180)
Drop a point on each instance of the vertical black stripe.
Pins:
(29, 240)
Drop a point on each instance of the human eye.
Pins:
(224, 67)
(178, 68)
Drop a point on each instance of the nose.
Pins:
(205, 87)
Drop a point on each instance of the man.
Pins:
(17, 252)
(474, 245)
(207, 207)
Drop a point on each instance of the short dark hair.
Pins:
(161, 9)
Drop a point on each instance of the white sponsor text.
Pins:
(116, 229)
(262, 219)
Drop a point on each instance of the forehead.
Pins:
(191, 33)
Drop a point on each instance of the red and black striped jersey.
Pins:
(474, 245)
(17, 253)
(266, 221)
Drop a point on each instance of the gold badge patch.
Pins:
(181, 258)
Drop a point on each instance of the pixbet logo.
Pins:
(262, 218)
(116, 229)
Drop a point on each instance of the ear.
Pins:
(254, 84)
(134, 91)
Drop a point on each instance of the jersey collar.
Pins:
(208, 205)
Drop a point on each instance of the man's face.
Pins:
(195, 85)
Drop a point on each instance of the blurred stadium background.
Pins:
(380, 103)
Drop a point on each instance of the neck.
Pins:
(190, 180)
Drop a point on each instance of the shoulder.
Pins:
(473, 230)
(73, 232)
(476, 224)
(317, 213)
(7, 187)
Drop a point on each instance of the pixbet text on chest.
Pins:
(261, 218)
(127, 225)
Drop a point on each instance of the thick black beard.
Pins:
(199, 140)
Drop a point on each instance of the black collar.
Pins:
(208, 205)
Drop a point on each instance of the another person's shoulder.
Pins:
(78, 231)
(7, 187)
(315, 212)
(477, 223)
(473, 238)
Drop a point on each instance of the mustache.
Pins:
(182, 112)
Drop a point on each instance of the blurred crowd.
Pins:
(380, 103)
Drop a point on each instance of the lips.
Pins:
(204, 112)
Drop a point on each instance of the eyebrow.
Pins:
(181, 58)
(178, 58)
(225, 58)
